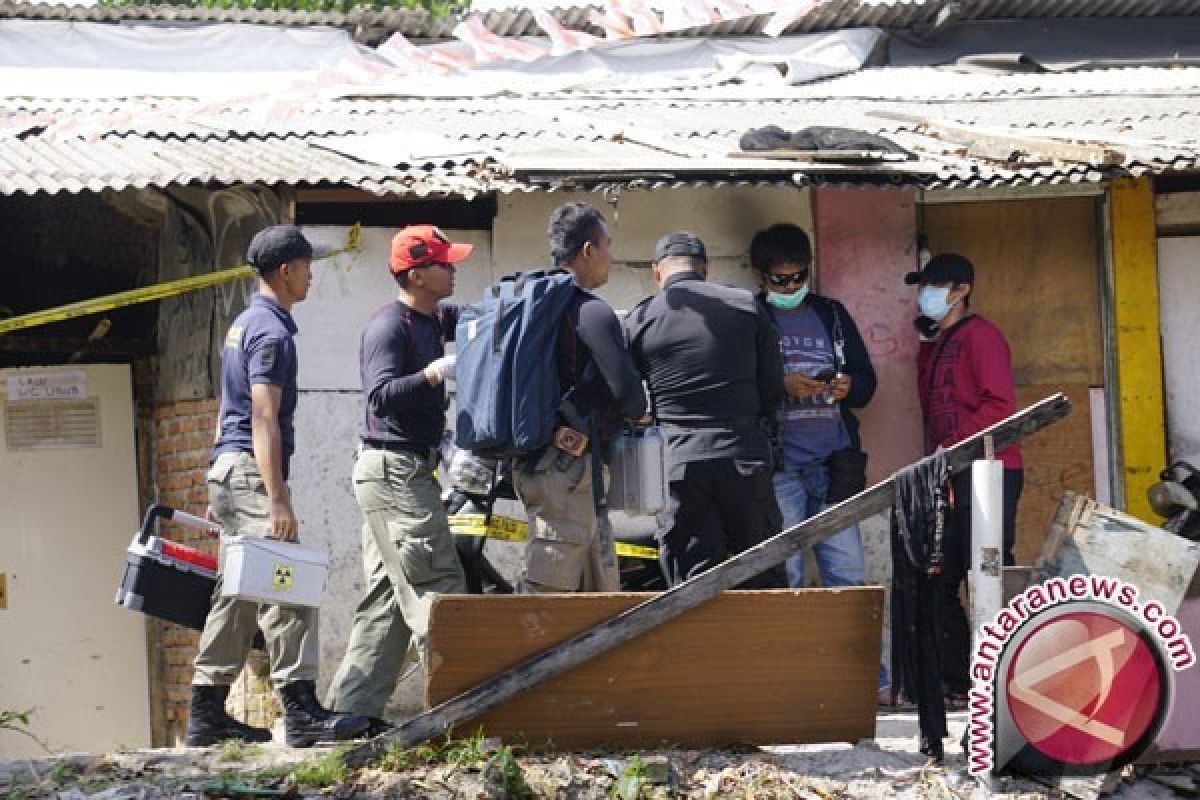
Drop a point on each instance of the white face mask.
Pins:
(932, 302)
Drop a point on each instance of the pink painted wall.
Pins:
(1181, 731)
(865, 243)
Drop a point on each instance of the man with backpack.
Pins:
(553, 399)
(408, 550)
(711, 361)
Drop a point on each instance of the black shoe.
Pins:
(208, 723)
(378, 727)
(307, 722)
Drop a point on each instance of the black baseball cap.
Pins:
(680, 243)
(274, 246)
(943, 268)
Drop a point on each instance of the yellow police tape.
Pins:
(145, 294)
(508, 529)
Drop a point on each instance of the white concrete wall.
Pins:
(725, 218)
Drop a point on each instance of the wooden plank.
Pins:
(1139, 349)
(1010, 144)
(696, 591)
(1058, 461)
(805, 669)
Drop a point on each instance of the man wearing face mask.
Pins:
(827, 373)
(965, 383)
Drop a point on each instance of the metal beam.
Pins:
(1140, 403)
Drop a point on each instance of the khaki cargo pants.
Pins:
(408, 556)
(570, 546)
(238, 497)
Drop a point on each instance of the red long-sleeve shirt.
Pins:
(966, 384)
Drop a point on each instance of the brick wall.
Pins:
(183, 437)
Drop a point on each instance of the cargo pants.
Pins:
(238, 497)
(408, 557)
(570, 545)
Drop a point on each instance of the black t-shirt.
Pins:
(400, 405)
(591, 334)
(259, 349)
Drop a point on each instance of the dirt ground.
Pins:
(887, 766)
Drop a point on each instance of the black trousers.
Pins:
(718, 509)
(956, 564)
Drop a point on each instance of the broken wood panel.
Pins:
(1057, 461)
(1104, 541)
(1037, 276)
(747, 667)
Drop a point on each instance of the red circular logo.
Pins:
(1084, 688)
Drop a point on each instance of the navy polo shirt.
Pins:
(258, 349)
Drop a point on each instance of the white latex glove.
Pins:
(440, 370)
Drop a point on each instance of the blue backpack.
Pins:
(509, 392)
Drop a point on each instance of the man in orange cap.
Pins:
(408, 550)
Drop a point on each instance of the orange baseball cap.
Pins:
(422, 245)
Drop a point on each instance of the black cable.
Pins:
(918, 524)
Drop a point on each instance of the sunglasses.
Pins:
(788, 278)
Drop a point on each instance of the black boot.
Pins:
(208, 723)
(307, 722)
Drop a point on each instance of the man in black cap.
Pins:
(965, 382)
(248, 496)
(712, 363)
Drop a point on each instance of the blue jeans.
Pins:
(801, 494)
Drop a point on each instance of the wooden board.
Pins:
(1057, 460)
(1037, 273)
(785, 666)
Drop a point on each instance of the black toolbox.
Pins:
(166, 579)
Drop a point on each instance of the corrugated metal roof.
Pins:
(1145, 119)
(367, 25)
(370, 25)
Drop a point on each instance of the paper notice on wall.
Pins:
(58, 385)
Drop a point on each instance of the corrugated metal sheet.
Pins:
(374, 25)
(660, 139)
(368, 25)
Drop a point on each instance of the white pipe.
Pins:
(987, 542)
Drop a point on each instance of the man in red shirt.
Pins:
(965, 382)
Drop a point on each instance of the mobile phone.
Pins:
(826, 375)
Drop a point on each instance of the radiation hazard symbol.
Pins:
(282, 579)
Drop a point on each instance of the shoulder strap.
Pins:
(839, 336)
(941, 346)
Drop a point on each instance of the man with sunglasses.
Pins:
(408, 550)
(827, 373)
(711, 361)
